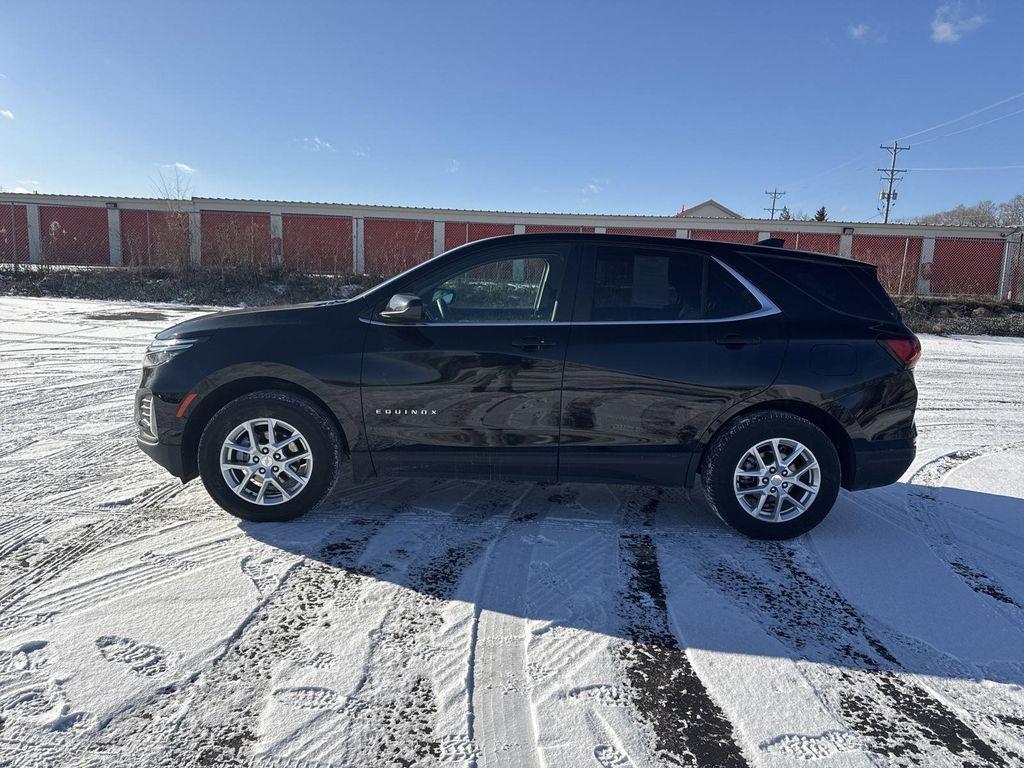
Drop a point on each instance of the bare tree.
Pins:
(169, 235)
(982, 214)
(1012, 211)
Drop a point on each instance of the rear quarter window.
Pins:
(852, 290)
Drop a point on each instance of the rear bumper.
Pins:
(881, 463)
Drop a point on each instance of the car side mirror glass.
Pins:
(403, 308)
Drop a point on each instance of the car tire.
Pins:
(738, 461)
(295, 487)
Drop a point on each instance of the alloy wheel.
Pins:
(777, 480)
(266, 461)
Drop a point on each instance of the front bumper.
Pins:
(167, 456)
(159, 431)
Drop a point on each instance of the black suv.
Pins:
(777, 376)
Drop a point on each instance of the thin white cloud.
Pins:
(453, 166)
(594, 187)
(859, 31)
(29, 182)
(21, 191)
(315, 144)
(6, 114)
(360, 152)
(951, 22)
(180, 167)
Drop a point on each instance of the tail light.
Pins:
(905, 349)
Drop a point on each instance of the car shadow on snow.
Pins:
(904, 579)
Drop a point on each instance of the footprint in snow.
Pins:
(143, 659)
(610, 757)
(605, 695)
(261, 571)
(804, 747)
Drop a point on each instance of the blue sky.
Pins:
(579, 107)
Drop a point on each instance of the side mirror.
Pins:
(404, 308)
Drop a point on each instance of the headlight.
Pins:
(162, 350)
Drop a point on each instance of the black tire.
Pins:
(728, 448)
(314, 424)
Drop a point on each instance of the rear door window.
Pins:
(636, 284)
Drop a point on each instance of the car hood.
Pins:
(290, 314)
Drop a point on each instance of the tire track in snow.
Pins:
(942, 539)
(858, 678)
(687, 726)
(212, 718)
(394, 677)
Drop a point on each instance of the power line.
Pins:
(962, 117)
(943, 124)
(892, 174)
(972, 168)
(775, 194)
(969, 128)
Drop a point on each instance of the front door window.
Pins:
(519, 289)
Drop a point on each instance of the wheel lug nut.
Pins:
(277, 456)
(264, 450)
(277, 468)
(785, 485)
(764, 481)
(771, 490)
(785, 473)
(263, 471)
(771, 469)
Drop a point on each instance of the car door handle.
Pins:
(532, 342)
(735, 341)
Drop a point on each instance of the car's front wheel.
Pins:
(269, 456)
(772, 475)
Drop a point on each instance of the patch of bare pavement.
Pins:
(456, 623)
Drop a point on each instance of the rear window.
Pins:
(850, 290)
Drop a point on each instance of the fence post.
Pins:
(276, 237)
(35, 242)
(358, 246)
(599, 230)
(1011, 250)
(438, 237)
(14, 234)
(845, 245)
(114, 235)
(924, 276)
(682, 233)
(763, 235)
(195, 237)
(518, 229)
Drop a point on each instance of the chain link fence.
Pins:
(317, 244)
(13, 234)
(940, 263)
(154, 238)
(391, 246)
(74, 235)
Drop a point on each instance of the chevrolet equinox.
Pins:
(777, 376)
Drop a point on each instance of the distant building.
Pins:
(709, 209)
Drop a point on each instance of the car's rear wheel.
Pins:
(269, 456)
(772, 475)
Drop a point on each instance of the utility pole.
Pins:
(775, 195)
(891, 174)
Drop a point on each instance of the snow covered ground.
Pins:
(456, 623)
